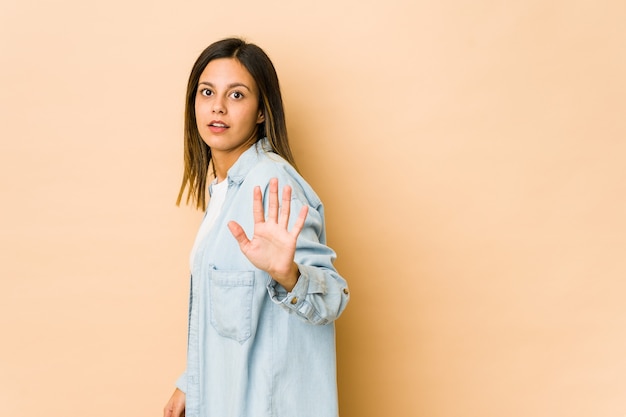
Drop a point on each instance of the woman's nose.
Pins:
(218, 106)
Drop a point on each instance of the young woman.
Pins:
(264, 292)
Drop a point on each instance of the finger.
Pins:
(257, 206)
(272, 212)
(285, 207)
(238, 233)
(299, 224)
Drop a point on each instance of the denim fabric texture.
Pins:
(254, 349)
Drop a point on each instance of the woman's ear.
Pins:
(261, 117)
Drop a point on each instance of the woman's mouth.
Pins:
(218, 126)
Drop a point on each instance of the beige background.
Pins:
(470, 154)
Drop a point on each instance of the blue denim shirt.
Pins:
(254, 349)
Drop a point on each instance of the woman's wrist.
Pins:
(289, 279)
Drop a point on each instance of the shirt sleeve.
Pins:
(181, 382)
(320, 294)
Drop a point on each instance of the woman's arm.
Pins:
(304, 280)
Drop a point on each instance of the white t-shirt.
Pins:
(218, 195)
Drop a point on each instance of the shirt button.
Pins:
(294, 300)
(345, 291)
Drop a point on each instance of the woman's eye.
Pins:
(236, 95)
(206, 92)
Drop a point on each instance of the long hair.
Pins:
(197, 154)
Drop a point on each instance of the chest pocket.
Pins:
(231, 294)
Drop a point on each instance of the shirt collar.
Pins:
(238, 172)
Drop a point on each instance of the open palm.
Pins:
(272, 247)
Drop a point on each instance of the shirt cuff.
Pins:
(181, 382)
(291, 299)
(296, 301)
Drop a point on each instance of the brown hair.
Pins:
(197, 154)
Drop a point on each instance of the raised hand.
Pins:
(272, 247)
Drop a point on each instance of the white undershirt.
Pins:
(218, 195)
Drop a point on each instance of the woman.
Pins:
(261, 333)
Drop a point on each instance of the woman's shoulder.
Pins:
(272, 165)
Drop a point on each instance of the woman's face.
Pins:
(227, 108)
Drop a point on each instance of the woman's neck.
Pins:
(223, 160)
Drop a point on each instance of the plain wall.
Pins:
(471, 156)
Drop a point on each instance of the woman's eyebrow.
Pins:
(229, 86)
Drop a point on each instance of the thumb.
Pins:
(238, 233)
